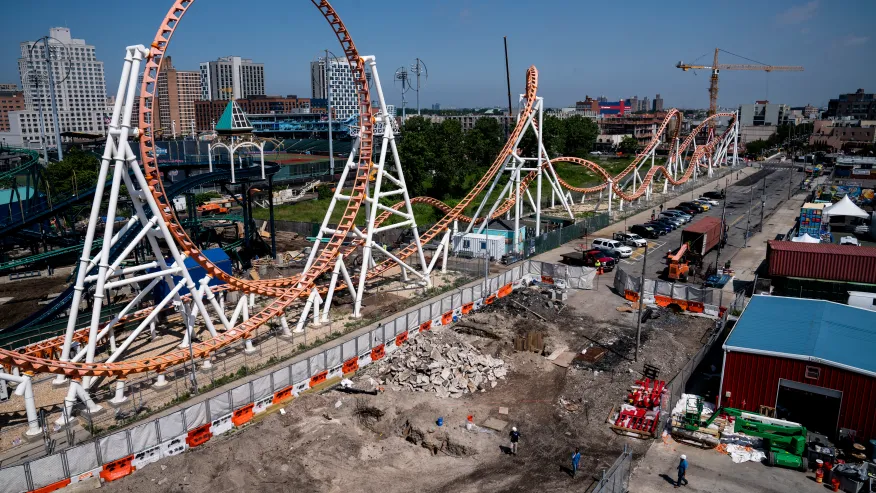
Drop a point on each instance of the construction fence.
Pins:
(663, 293)
(118, 454)
(558, 237)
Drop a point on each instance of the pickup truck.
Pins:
(589, 258)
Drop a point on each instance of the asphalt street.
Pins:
(761, 194)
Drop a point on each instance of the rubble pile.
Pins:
(448, 369)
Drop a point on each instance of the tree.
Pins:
(416, 153)
(78, 171)
(483, 142)
(755, 148)
(580, 136)
(629, 145)
(449, 160)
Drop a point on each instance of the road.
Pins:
(768, 186)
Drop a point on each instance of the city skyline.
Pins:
(464, 51)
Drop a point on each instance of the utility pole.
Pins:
(508, 82)
(762, 202)
(748, 221)
(723, 224)
(641, 303)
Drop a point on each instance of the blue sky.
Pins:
(616, 49)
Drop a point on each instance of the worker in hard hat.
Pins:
(515, 438)
(682, 469)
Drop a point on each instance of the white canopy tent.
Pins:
(845, 207)
(805, 239)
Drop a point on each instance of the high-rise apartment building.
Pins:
(10, 100)
(177, 92)
(858, 105)
(646, 104)
(763, 113)
(9, 87)
(658, 103)
(232, 77)
(344, 101)
(80, 88)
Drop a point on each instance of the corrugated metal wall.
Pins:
(832, 262)
(753, 380)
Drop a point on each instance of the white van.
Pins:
(615, 246)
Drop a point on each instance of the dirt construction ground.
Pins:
(390, 442)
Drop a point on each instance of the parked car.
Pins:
(690, 211)
(612, 245)
(695, 204)
(714, 194)
(709, 200)
(644, 231)
(661, 229)
(677, 215)
(630, 239)
(666, 222)
(703, 202)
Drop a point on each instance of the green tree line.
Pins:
(442, 161)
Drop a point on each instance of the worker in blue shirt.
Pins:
(576, 458)
(682, 469)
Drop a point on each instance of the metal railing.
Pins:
(616, 479)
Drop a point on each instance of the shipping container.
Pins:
(822, 261)
(703, 235)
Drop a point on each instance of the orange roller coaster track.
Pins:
(285, 292)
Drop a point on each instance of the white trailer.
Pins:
(476, 244)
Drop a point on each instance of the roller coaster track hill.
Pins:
(284, 293)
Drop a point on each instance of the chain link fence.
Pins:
(616, 479)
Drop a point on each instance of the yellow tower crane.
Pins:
(717, 67)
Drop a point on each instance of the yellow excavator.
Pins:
(678, 264)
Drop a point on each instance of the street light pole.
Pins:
(641, 302)
(762, 202)
(748, 221)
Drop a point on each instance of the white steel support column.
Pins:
(539, 171)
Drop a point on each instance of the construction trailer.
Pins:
(475, 245)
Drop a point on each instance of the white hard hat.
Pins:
(513, 428)
(683, 456)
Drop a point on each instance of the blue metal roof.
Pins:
(811, 330)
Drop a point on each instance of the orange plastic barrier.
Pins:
(447, 318)
(681, 303)
(695, 306)
(631, 295)
(318, 378)
(547, 279)
(243, 415)
(350, 365)
(52, 487)
(117, 469)
(662, 300)
(282, 395)
(467, 308)
(378, 352)
(199, 435)
(721, 310)
(490, 299)
(427, 325)
(505, 290)
(401, 338)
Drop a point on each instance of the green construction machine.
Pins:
(784, 441)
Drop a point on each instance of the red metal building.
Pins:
(812, 360)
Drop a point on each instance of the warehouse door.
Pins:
(816, 408)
